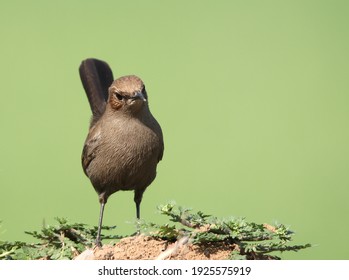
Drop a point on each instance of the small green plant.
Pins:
(255, 241)
(59, 242)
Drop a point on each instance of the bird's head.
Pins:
(127, 94)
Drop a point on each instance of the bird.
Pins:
(124, 142)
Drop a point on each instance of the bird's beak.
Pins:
(139, 95)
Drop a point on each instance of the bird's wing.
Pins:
(90, 148)
(96, 77)
(161, 152)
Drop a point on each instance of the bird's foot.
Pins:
(98, 243)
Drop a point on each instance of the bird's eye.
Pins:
(119, 96)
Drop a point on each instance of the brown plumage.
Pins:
(124, 143)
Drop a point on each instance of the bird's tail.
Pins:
(96, 77)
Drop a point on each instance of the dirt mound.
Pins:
(148, 248)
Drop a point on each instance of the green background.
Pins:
(252, 97)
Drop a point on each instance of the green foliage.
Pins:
(59, 242)
(252, 241)
(255, 241)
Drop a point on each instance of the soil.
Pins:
(143, 247)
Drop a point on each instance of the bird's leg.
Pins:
(98, 239)
(138, 200)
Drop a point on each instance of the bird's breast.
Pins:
(128, 153)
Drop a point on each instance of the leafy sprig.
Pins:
(62, 241)
(255, 241)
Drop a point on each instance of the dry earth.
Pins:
(147, 248)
